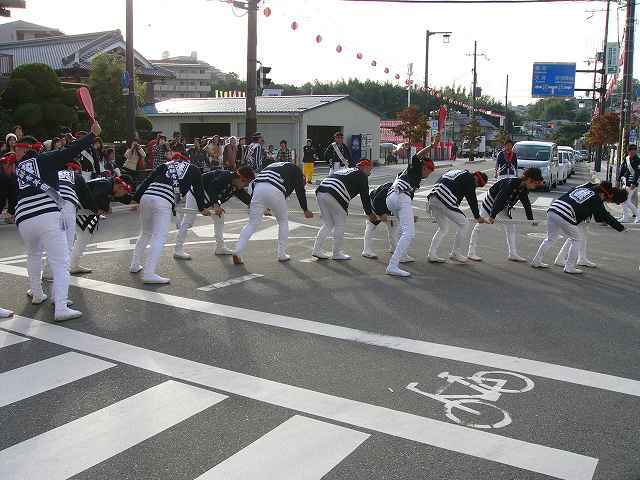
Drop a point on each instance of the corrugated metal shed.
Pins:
(283, 104)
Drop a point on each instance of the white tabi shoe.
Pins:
(368, 254)
(36, 299)
(4, 313)
(135, 268)
(587, 263)
(458, 258)
(341, 256)
(155, 279)
(223, 251)
(473, 257)
(540, 265)
(79, 269)
(181, 255)
(407, 259)
(320, 255)
(516, 258)
(397, 272)
(573, 271)
(433, 259)
(63, 314)
(284, 258)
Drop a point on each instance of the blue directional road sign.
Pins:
(553, 80)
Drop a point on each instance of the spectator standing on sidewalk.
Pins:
(230, 154)
(134, 157)
(254, 154)
(337, 155)
(309, 155)
(507, 162)
(214, 150)
(160, 152)
(284, 154)
(198, 156)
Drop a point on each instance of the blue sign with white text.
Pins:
(553, 80)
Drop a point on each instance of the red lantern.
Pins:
(294, 26)
(359, 55)
(374, 63)
(267, 12)
(386, 69)
(407, 83)
(339, 49)
(318, 38)
(397, 76)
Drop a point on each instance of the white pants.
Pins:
(400, 205)
(334, 167)
(266, 196)
(510, 231)
(557, 226)
(334, 219)
(186, 221)
(69, 212)
(82, 240)
(582, 253)
(445, 217)
(155, 218)
(370, 230)
(629, 207)
(45, 232)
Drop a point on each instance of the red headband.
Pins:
(128, 187)
(481, 181)
(73, 166)
(364, 163)
(29, 146)
(9, 158)
(179, 156)
(429, 163)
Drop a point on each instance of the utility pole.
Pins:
(506, 107)
(473, 99)
(409, 75)
(131, 97)
(627, 78)
(251, 124)
(603, 89)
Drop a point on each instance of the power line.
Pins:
(472, 1)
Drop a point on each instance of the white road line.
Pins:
(76, 446)
(543, 202)
(489, 446)
(299, 449)
(7, 339)
(39, 377)
(233, 281)
(420, 347)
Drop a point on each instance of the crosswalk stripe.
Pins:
(39, 377)
(299, 449)
(7, 339)
(543, 202)
(529, 456)
(76, 446)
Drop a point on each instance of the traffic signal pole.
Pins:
(251, 124)
(131, 97)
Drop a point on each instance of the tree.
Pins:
(569, 133)
(605, 130)
(471, 134)
(35, 99)
(106, 91)
(415, 125)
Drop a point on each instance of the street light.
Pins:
(446, 37)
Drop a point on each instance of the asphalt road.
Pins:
(301, 371)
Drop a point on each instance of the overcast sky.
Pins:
(512, 37)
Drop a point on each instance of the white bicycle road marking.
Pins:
(489, 386)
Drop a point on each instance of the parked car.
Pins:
(543, 155)
(564, 166)
(572, 157)
(584, 155)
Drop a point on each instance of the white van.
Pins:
(543, 155)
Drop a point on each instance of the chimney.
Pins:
(165, 54)
(194, 56)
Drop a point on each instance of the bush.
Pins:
(143, 124)
(29, 115)
(42, 77)
(19, 90)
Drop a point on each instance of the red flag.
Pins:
(442, 117)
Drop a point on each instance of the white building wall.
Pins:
(354, 120)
